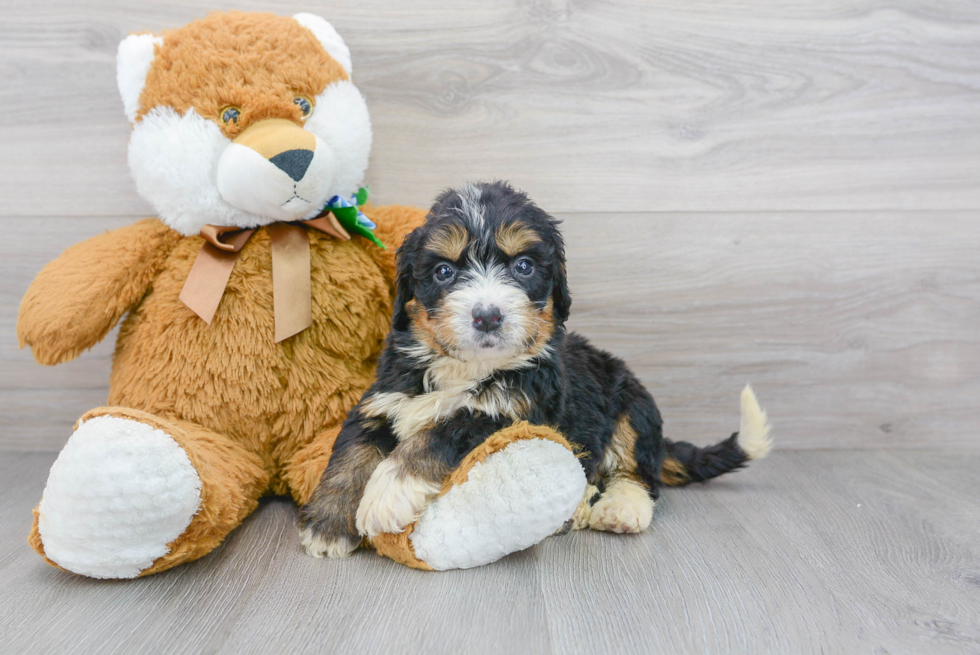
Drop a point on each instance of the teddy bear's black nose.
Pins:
(293, 162)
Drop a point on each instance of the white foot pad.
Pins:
(117, 495)
(516, 498)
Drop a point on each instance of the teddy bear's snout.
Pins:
(277, 170)
(293, 162)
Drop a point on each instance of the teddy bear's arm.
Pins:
(394, 223)
(77, 298)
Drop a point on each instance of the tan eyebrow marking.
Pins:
(514, 238)
(450, 242)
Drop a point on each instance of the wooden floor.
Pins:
(817, 551)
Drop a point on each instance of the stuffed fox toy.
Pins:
(253, 311)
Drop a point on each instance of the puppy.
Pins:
(478, 342)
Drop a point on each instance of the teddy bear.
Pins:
(253, 307)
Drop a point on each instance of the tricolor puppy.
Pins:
(478, 342)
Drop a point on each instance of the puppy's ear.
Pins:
(561, 297)
(404, 278)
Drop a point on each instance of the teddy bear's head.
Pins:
(243, 119)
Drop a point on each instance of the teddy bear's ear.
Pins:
(133, 62)
(328, 38)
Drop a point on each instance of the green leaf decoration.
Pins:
(351, 218)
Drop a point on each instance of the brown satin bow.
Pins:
(291, 294)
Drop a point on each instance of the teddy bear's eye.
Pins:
(230, 114)
(304, 105)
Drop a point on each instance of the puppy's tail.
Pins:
(686, 463)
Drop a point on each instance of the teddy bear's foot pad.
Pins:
(117, 495)
(509, 502)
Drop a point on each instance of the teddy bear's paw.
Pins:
(512, 500)
(117, 495)
(625, 507)
(319, 546)
(392, 500)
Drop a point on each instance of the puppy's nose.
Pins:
(487, 319)
(293, 162)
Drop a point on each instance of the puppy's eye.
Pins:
(304, 104)
(524, 266)
(444, 273)
(230, 115)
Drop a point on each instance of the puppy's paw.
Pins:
(392, 500)
(319, 545)
(580, 519)
(625, 507)
(613, 517)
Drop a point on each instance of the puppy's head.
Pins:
(484, 277)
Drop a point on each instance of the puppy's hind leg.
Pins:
(626, 505)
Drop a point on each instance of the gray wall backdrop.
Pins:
(776, 191)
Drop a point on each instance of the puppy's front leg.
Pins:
(404, 484)
(401, 487)
(327, 521)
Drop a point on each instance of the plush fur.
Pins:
(478, 341)
(253, 416)
(124, 459)
(260, 65)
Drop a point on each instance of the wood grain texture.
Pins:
(39, 404)
(621, 105)
(856, 329)
(829, 551)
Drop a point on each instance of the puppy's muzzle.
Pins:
(487, 319)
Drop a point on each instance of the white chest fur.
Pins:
(450, 386)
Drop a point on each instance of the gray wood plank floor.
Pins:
(820, 551)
